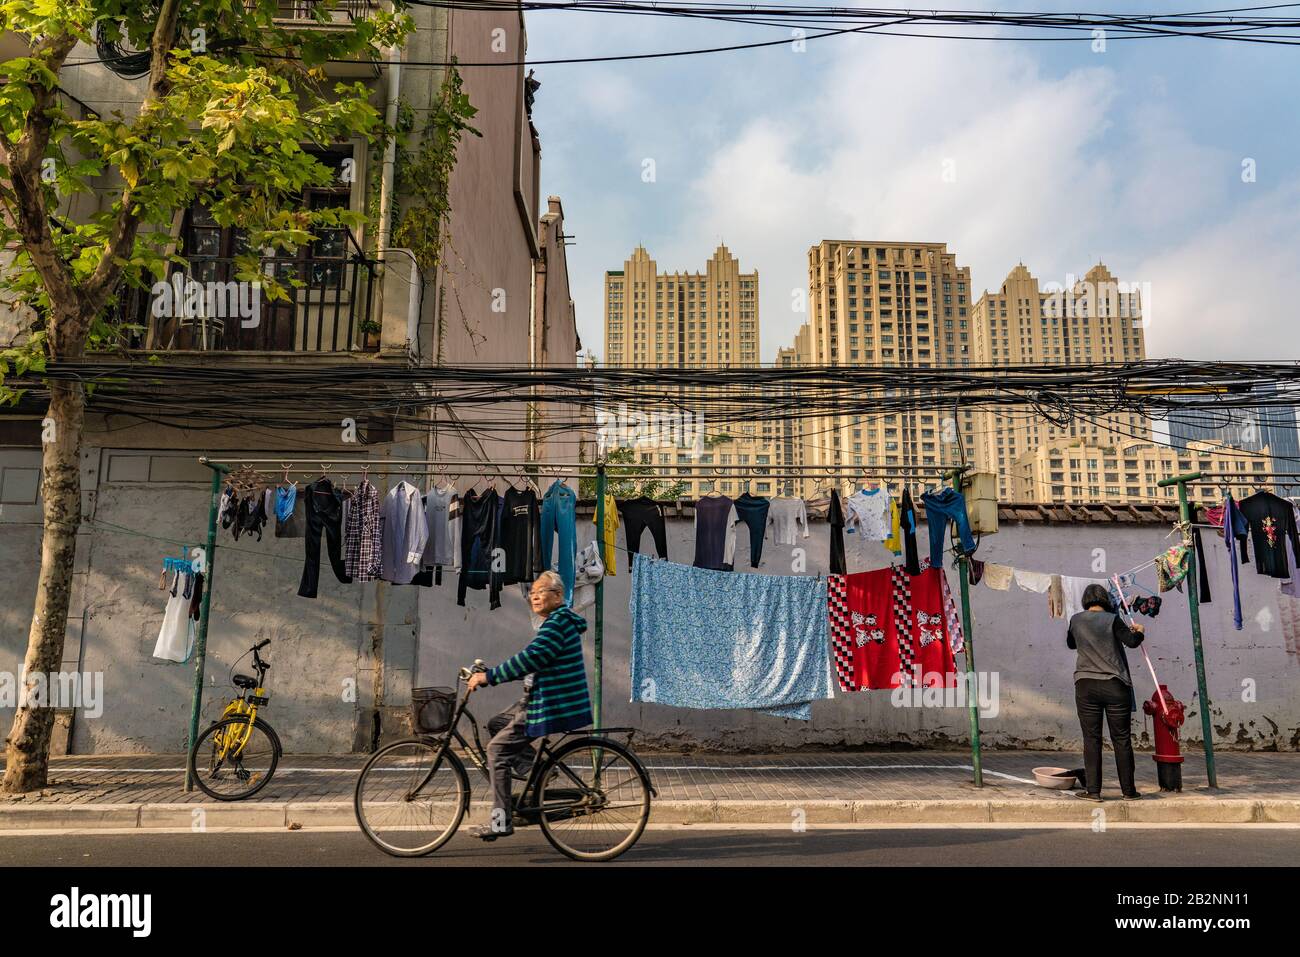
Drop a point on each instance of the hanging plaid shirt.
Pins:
(362, 555)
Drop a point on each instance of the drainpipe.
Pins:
(390, 153)
(531, 444)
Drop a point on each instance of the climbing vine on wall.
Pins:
(425, 173)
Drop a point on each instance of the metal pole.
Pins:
(963, 569)
(599, 639)
(1194, 607)
(971, 681)
(205, 609)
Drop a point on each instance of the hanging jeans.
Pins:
(638, 515)
(1093, 698)
(559, 518)
(752, 510)
(324, 512)
(941, 508)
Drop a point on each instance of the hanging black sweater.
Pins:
(479, 538)
(835, 517)
(521, 527)
(1272, 523)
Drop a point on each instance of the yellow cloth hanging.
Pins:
(895, 540)
(611, 526)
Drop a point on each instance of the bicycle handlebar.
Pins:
(478, 667)
(259, 647)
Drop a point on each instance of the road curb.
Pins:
(281, 815)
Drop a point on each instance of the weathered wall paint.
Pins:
(319, 651)
(1014, 636)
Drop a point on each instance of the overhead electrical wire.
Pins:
(1240, 24)
(216, 397)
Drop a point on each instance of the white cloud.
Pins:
(1225, 291)
(1051, 171)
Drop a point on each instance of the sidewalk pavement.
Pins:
(916, 788)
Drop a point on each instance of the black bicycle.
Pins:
(589, 793)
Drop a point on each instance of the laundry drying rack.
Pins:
(310, 468)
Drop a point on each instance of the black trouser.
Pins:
(323, 510)
(1094, 697)
(753, 512)
(638, 515)
(510, 749)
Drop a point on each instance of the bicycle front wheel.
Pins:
(411, 797)
(594, 798)
(231, 761)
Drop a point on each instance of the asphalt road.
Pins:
(1176, 847)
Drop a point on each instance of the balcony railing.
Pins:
(342, 12)
(329, 307)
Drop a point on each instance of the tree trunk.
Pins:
(27, 750)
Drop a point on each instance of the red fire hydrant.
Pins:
(1168, 756)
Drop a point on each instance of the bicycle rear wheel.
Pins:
(227, 771)
(594, 798)
(408, 800)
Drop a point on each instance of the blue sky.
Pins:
(1062, 157)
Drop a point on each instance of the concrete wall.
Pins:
(1013, 636)
(336, 660)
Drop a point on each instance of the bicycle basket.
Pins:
(431, 709)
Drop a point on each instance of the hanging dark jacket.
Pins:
(480, 537)
(520, 535)
(1272, 524)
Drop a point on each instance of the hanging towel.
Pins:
(1172, 567)
(956, 635)
(712, 639)
(998, 577)
(889, 629)
(174, 636)
(1056, 598)
(1033, 581)
(1288, 606)
(1072, 588)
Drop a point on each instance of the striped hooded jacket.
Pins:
(558, 701)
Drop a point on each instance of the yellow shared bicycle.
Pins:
(236, 756)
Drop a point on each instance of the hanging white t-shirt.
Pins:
(867, 514)
(784, 516)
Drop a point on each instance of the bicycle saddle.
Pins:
(244, 681)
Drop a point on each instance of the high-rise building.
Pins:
(1096, 319)
(1075, 471)
(681, 318)
(886, 303)
(1271, 427)
(692, 319)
